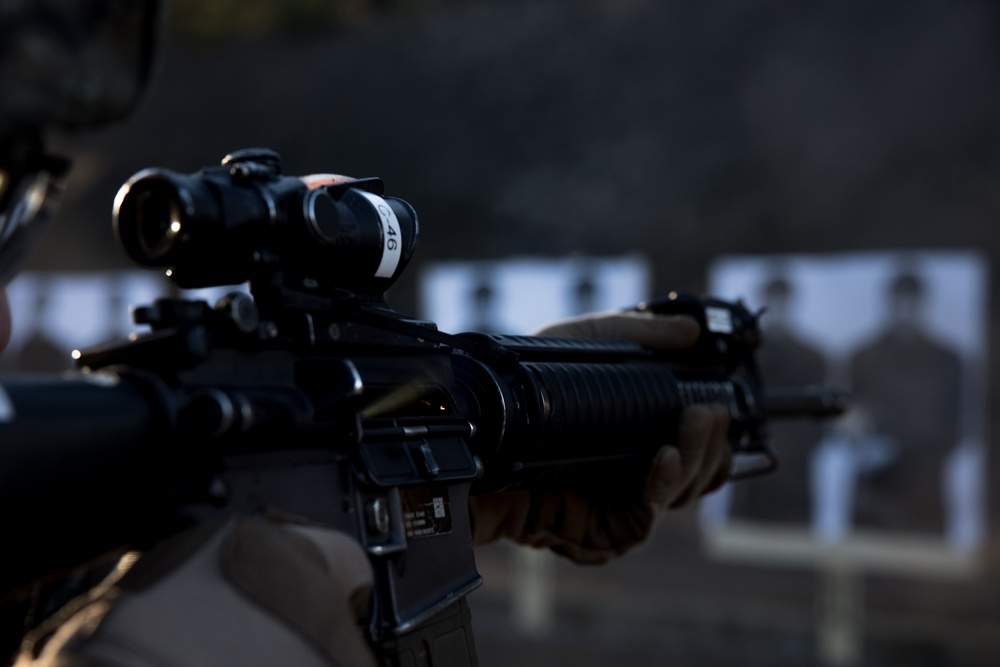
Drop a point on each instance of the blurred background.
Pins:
(678, 135)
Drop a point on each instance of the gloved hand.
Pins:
(594, 525)
(250, 591)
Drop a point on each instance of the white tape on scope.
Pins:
(392, 238)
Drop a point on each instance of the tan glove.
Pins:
(592, 526)
(251, 591)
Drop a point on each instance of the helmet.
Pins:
(65, 65)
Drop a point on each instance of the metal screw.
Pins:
(242, 311)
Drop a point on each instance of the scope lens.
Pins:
(157, 221)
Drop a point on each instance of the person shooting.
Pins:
(300, 475)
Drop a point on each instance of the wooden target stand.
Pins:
(840, 564)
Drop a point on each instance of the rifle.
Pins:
(311, 395)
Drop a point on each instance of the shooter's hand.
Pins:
(252, 591)
(594, 525)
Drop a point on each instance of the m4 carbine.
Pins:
(311, 396)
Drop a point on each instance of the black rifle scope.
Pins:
(243, 221)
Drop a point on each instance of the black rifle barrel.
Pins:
(812, 402)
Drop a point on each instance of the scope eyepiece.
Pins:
(244, 220)
(158, 208)
(158, 225)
